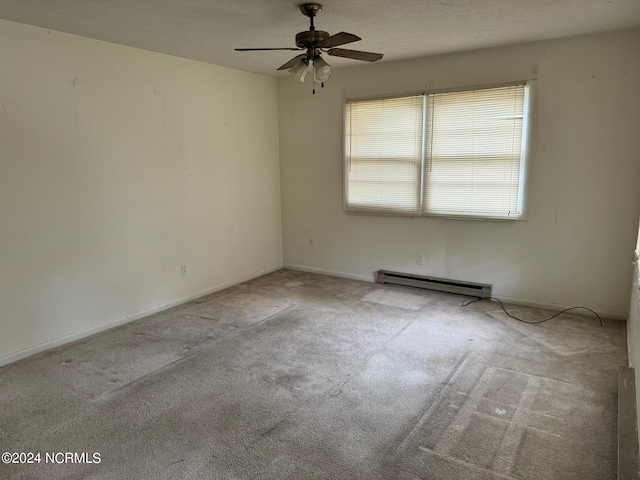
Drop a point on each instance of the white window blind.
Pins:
(384, 152)
(474, 145)
(458, 154)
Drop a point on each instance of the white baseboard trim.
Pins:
(514, 301)
(57, 342)
(331, 273)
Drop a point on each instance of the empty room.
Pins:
(348, 240)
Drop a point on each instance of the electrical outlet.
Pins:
(419, 259)
(183, 270)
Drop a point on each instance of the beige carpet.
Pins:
(302, 376)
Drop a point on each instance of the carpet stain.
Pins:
(406, 301)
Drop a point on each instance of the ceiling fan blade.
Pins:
(339, 39)
(292, 62)
(355, 54)
(256, 49)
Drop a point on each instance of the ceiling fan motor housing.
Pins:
(311, 38)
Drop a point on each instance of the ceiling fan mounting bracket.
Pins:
(310, 9)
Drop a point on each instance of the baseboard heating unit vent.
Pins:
(432, 283)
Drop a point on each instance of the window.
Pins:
(455, 154)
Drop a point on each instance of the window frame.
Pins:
(525, 148)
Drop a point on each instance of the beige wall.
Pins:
(584, 185)
(117, 166)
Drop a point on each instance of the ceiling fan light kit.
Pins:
(300, 69)
(317, 42)
(321, 70)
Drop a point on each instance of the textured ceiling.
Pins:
(209, 30)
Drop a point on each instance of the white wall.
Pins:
(584, 184)
(117, 166)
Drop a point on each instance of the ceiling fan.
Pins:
(317, 42)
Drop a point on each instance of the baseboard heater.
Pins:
(431, 283)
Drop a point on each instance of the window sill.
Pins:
(476, 218)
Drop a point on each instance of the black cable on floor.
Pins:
(494, 299)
